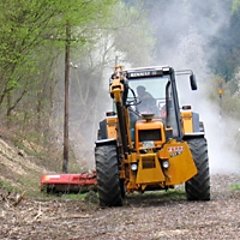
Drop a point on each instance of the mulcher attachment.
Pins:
(69, 183)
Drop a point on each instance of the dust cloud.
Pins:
(184, 30)
(88, 102)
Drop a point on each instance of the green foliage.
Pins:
(32, 37)
(32, 47)
(235, 187)
(25, 26)
(226, 60)
(125, 33)
(134, 37)
(229, 102)
(235, 5)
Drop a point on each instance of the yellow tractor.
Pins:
(148, 142)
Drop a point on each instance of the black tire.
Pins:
(122, 187)
(198, 187)
(108, 182)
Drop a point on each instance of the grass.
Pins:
(7, 186)
(235, 187)
(171, 194)
(31, 186)
(26, 184)
(75, 197)
(88, 197)
(33, 145)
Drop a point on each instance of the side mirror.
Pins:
(193, 82)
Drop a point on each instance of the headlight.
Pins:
(165, 164)
(134, 166)
(148, 144)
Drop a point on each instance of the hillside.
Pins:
(18, 170)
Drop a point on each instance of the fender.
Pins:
(193, 135)
(110, 141)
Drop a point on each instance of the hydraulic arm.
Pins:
(117, 90)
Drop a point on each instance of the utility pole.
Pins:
(66, 99)
(116, 60)
(220, 94)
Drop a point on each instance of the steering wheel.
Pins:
(132, 101)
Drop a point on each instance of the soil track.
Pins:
(151, 216)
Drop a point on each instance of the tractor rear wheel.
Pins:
(198, 187)
(108, 182)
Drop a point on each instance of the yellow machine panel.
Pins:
(187, 121)
(150, 125)
(181, 164)
(111, 127)
(149, 170)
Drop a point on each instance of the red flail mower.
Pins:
(69, 183)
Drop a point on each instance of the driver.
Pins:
(147, 101)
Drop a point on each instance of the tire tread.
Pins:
(108, 182)
(198, 187)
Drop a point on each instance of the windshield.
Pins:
(150, 93)
(151, 98)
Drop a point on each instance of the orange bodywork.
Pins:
(149, 161)
(150, 171)
(187, 121)
(149, 125)
(112, 127)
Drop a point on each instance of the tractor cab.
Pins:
(151, 91)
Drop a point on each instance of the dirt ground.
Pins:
(149, 216)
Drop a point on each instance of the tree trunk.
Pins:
(66, 100)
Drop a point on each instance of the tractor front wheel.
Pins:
(108, 182)
(198, 187)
